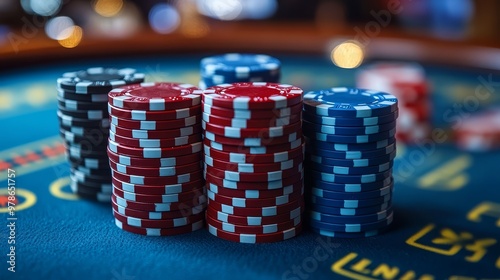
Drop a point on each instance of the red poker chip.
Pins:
(164, 223)
(253, 177)
(156, 215)
(484, 124)
(140, 115)
(155, 134)
(254, 220)
(253, 167)
(255, 95)
(254, 114)
(267, 132)
(271, 185)
(155, 96)
(259, 145)
(258, 211)
(266, 229)
(155, 143)
(252, 158)
(255, 203)
(155, 125)
(155, 171)
(161, 231)
(165, 198)
(157, 189)
(149, 180)
(161, 207)
(255, 238)
(256, 194)
(245, 123)
(154, 162)
(154, 152)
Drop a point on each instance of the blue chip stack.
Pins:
(350, 151)
(239, 68)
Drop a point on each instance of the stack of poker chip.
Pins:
(155, 155)
(349, 156)
(254, 153)
(84, 126)
(406, 81)
(480, 132)
(239, 68)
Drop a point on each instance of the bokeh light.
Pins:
(73, 39)
(41, 7)
(164, 18)
(59, 28)
(348, 54)
(259, 9)
(124, 24)
(108, 8)
(220, 9)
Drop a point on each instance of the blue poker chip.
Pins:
(349, 103)
(339, 219)
(350, 203)
(337, 234)
(355, 227)
(350, 130)
(310, 117)
(313, 134)
(349, 179)
(351, 195)
(351, 154)
(351, 147)
(239, 65)
(344, 170)
(338, 211)
(351, 162)
(349, 187)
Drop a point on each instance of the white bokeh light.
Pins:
(164, 18)
(41, 7)
(59, 28)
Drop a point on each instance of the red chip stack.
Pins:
(406, 81)
(479, 132)
(155, 154)
(254, 152)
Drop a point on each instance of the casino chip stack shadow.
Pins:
(84, 125)
(238, 68)
(350, 148)
(254, 153)
(155, 155)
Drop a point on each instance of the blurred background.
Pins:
(31, 24)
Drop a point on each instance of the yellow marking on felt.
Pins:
(338, 267)
(27, 195)
(37, 95)
(6, 100)
(492, 209)
(412, 241)
(56, 189)
(446, 171)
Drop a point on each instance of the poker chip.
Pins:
(144, 115)
(155, 154)
(350, 149)
(253, 165)
(480, 132)
(154, 162)
(254, 220)
(349, 102)
(255, 238)
(84, 126)
(155, 96)
(270, 185)
(252, 114)
(155, 143)
(236, 68)
(408, 82)
(160, 231)
(288, 139)
(340, 234)
(257, 95)
(253, 158)
(264, 229)
(155, 134)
